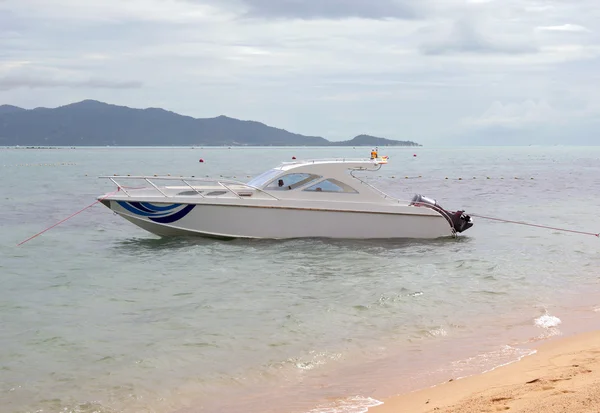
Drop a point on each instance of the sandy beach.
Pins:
(562, 376)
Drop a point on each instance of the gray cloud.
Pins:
(15, 82)
(331, 9)
(378, 66)
(465, 38)
(574, 28)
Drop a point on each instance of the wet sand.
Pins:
(562, 376)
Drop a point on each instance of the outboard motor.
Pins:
(420, 200)
(461, 221)
(458, 220)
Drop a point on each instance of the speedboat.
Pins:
(321, 198)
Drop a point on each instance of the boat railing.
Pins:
(188, 181)
(375, 161)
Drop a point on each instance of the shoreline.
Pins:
(562, 375)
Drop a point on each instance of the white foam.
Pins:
(481, 363)
(547, 321)
(505, 352)
(317, 359)
(438, 332)
(524, 353)
(355, 404)
(549, 324)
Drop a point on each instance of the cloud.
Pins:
(563, 28)
(115, 11)
(517, 114)
(15, 82)
(331, 9)
(465, 37)
(312, 66)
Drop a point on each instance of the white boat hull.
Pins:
(300, 199)
(282, 222)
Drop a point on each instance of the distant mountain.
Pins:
(10, 109)
(368, 140)
(93, 123)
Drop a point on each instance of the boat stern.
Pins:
(459, 221)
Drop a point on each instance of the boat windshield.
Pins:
(263, 178)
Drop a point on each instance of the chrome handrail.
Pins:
(192, 188)
(229, 189)
(185, 180)
(172, 178)
(119, 187)
(156, 187)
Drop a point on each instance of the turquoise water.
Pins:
(97, 315)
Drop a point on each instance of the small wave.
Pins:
(355, 404)
(315, 360)
(437, 332)
(490, 292)
(547, 321)
(519, 353)
(492, 360)
(428, 333)
(503, 352)
(549, 324)
(385, 299)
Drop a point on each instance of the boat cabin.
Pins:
(303, 178)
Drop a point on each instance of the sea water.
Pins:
(97, 315)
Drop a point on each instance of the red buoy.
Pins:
(293, 157)
(201, 160)
(415, 155)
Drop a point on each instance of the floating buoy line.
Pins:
(465, 179)
(41, 164)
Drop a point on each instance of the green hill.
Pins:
(93, 123)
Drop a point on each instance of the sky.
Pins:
(433, 71)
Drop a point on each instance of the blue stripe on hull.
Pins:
(131, 208)
(160, 214)
(156, 208)
(141, 207)
(175, 217)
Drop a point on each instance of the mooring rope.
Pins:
(69, 217)
(535, 225)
